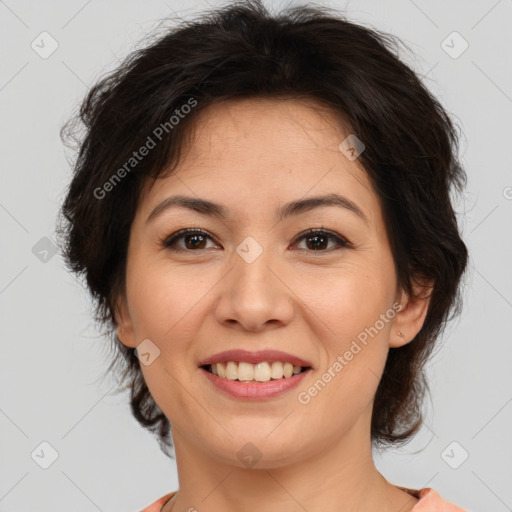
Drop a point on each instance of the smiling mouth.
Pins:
(261, 372)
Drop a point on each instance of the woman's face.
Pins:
(257, 281)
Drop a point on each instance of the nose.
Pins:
(254, 295)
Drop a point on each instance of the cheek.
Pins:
(352, 320)
(164, 300)
(164, 307)
(348, 299)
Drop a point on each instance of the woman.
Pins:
(261, 208)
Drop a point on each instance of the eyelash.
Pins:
(170, 241)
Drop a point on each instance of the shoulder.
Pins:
(431, 501)
(157, 505)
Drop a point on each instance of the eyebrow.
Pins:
(297, 207)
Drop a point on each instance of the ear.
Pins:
(409, 320)
(123, 323)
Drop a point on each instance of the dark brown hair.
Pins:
(243, 51)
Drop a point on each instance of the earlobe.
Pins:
(123, 323)
(409, 320)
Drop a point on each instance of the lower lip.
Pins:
(240, 389)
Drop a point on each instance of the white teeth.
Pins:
(245, 371)
(261, 372)
(232, 370)
(221, 369)
(277, 370)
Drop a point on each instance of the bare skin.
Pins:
(252, 156)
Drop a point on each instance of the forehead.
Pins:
(257, 125)
(259, 151)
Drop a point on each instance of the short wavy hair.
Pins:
(243, 51)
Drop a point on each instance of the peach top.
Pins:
(429, 501)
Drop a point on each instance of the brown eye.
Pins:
(318, 240)
(194, 239)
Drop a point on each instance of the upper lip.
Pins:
(255, 357)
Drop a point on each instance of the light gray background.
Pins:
(52, 357)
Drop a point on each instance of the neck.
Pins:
(339, 476)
